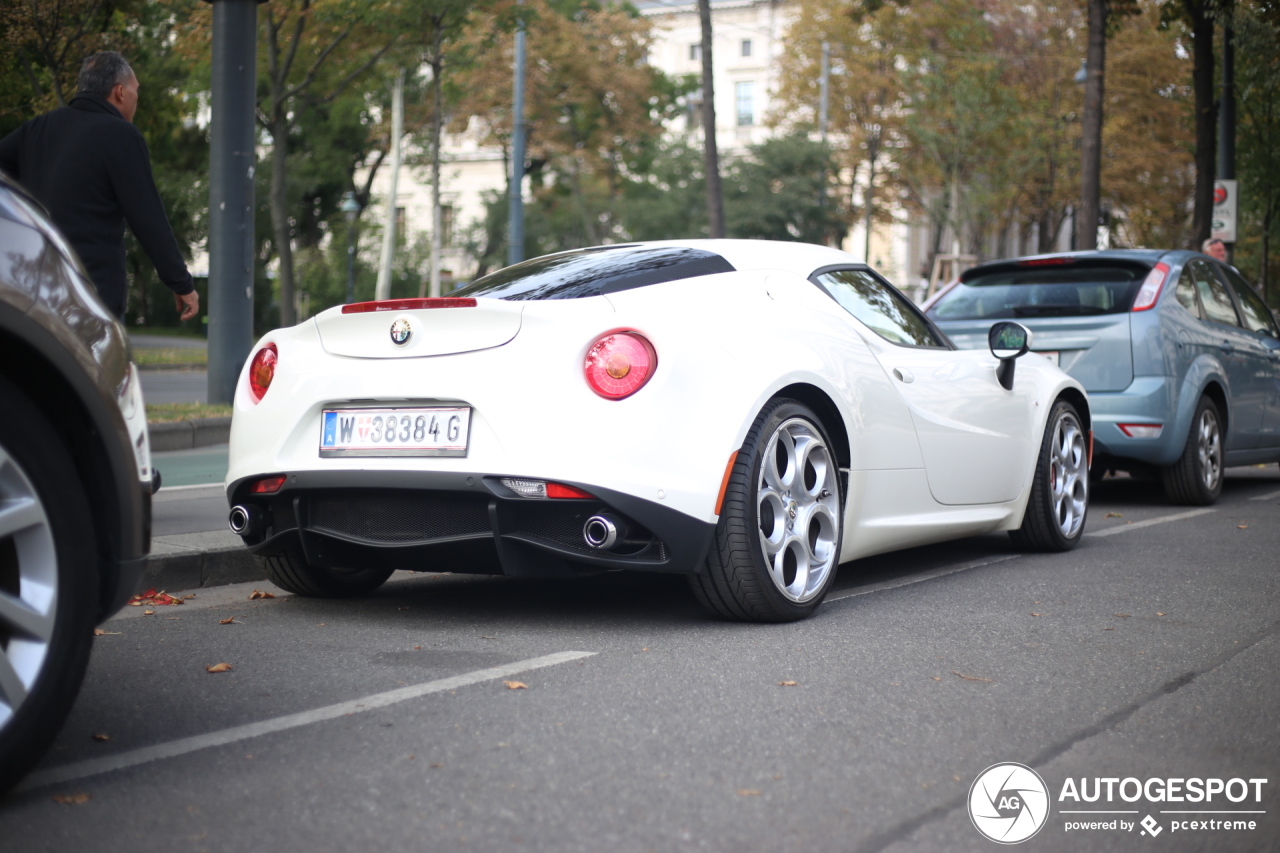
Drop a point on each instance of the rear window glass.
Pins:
(1041, 292)
(592, 272)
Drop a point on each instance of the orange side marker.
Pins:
(724, 483)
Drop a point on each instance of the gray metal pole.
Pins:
(231, 163)
(515, 215)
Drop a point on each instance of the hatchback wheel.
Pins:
(1196, 478)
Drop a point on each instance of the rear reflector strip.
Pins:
(410, 304)
(543, 489)
(1141, 430)
(268, 485)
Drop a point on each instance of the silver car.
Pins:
(75, 477)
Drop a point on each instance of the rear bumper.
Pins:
(1147, 400)
(463, 523)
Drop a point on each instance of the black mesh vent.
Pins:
(562, 524)
(386, 515)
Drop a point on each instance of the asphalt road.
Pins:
(175, 386)
(1151, 651)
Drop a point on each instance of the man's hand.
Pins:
(187, 305)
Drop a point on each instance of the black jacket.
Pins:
(91, 169)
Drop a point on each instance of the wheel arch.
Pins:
(1077, 398)
(84, 434)
(826, 409)
(1215, 392)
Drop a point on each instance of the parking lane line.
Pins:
(1266, 497)
(925, 576)
(1177, 516)
(182, 746)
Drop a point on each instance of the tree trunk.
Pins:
(873, 151)
(278, 202)
(1206, 120)
(711, 157)
(1091, 141)
(437, 125)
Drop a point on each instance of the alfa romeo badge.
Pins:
(401, 332)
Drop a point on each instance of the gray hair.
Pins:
(102, 72)
(1204, 247)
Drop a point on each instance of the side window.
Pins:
(878, 307)
(1257, 317)
(1187, 294)
(1213, 294)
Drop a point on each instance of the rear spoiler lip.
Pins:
(1073, 262)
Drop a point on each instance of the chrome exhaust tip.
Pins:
(603, 532)
(244, 520)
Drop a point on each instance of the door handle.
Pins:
(1226, 346)
(903, 375)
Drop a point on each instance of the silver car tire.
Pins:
(49, 580)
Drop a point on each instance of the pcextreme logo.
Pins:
(1008, 803)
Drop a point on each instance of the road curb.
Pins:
(187, 435)
(191, 560)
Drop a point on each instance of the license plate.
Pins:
(434, 431)
(1052, 355)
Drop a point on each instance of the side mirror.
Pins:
(1008, 341)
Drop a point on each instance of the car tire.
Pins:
(1059, 501)
(290, 570)
(1196, 478)
(777, 545)
(49, 580)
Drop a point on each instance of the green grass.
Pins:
(167, 413)
(170, 356)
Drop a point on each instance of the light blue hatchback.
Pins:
(1180, 357)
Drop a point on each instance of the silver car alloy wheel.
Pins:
(1068, 474)
(1209, 449)
(797, 504)
(28, 586)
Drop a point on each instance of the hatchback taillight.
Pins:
(1149, 293)
(262, 370)
(619, 364)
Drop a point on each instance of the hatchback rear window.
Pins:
(1057, 291)
(593, 272)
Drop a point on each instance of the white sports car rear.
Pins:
(750, 414)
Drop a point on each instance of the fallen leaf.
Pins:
(435, 765)
(71, 799)
(257, 593)
(152, 597)
(1035, 614)
(748, 792)
(936, 677)
(516, 685)
(102, 737)
(98, 632)
(969, 677)
(1113, 515)
(1243, 526)
(417, 648)
(188, 596)
(218, 667)
(786, 684)
(956, 777)
(1122, 615)
(1159, 614)
(410, 758)
(321, 624)
(645, 649)
(229, 620)
(134, 603)
(148, 613)
(488, 638)
(1108, 629)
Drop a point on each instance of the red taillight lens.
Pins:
(1149, 293)
(619, 364)
(262, 370)
(268, 485)
(1046, 262)
(560, 490)
(410, 304)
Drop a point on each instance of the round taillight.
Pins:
(262, 370)
(619, 364)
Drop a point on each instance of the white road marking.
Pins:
(182, 746)
(1177, 516)
(168, 490)
(924, 576)
(1266, 497)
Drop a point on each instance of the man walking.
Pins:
(90, 167)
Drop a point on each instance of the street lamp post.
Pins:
(351, 209)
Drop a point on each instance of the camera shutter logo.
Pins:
(401, 331)
(1008, 803)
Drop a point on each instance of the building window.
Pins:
(446, 225)
(695, 52)
(746, 47)
(745, 100)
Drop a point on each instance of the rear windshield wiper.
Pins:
(1056, 310)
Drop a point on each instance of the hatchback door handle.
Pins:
(1226, 346)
